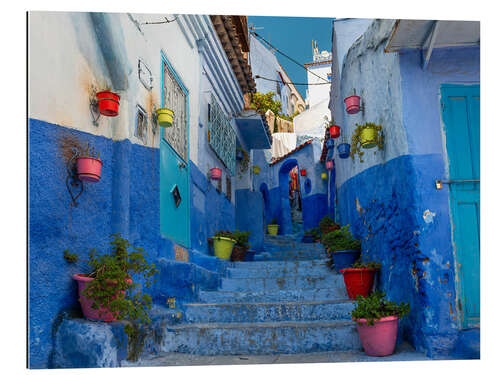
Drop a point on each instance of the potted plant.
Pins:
(329, 165)
(326, 225)
(358, 278)
(352, 103)
(377, 320)
(241, 246)
(88, 167)
(324, 176)
(311, 235)
(303, 172)
(165, 117)
(223, 243)
(330, 143)
(342, 247)
(107, 292)
(333, 130)
(256, 169)
(366, 136)
(215, 173)
(273, 228)
(108, 103)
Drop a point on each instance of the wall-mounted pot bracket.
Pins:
(72, 180)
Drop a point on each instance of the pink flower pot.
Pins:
(86, 304)
(379, 340)
(88, 169)
(352, 105)
(329, 165)
(215, 173)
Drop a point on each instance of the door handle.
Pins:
(439, 183)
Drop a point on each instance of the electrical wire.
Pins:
(284, 54)
(293, 83)
(160, 22)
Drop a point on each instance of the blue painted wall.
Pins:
(126, 200)
(390, 201)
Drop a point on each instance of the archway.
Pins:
(285, 217)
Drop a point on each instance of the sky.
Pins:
(294, 36)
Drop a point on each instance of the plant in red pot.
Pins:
(377, 320)
(241, 246)
(108, 293)
(88, 167)
(359, 278)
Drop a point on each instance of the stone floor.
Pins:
(403, 353)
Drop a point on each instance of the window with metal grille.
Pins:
(222, 137)
(174, 98)
(228, 187)
(141, 123)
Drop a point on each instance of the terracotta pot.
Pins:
(379, 339)
(86, 304)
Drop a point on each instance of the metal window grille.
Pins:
(141, 123)
(222, 137)
(174, 98)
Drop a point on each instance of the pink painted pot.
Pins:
(379, 340)
(329, 165)
(215, 173)
(88, 169)
(352, 105)
(86, 304)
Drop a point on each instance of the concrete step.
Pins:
(282, 283)
(282, 265)
(329, 293)
(290, 256)
(268, 311)
(271, 246)
(260, 338)
(291, 271)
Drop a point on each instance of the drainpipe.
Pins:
(111, 43)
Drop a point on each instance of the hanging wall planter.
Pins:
(366, 136)
(256, 169)
(165, 117)
(108, 103)
(329, 165)
(344, 150)
(324, 176)
(215, 173)
(334, 131)
(330, 143)
(303, 172)
(352, 104)
(88, 168)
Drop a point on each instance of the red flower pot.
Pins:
(215, 173)
(358, 281)
(108, 103)
(379, 339)
(329, 165)
(303, 172)
(86, 304)
(352, 104)
(334, 131)
(88, 169)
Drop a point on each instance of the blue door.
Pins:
(461, 119)
(174, 160)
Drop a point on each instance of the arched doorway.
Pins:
(290, 197)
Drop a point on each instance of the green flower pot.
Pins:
(272, 229)
(223, 247)
(368, 138)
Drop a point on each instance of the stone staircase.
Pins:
(287, 301)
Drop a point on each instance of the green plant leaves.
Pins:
(375, 306)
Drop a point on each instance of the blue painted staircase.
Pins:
(286, 301)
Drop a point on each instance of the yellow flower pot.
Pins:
(368, 138)
(324, 176)
(223, 247)
(256, 169)
(272, 229)
(165, 117)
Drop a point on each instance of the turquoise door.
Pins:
(461, 120)
(174, 160)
